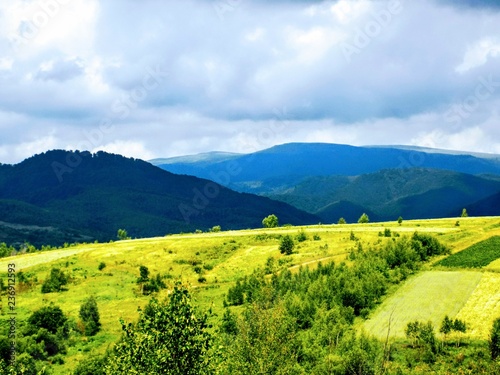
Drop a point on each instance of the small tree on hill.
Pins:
(364, 219)
(464, 213)
(122, 234)
(216, 229)
(270, 221)
(495, 340)
(341, 221)
(287, 245)
(400, 220)
(446, 326)
(57, 279)
(89, 314)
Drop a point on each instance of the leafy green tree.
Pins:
(56, 281)
(89, 313)
(122, 234)
(495, 340)
(363, 219)
(287, 245)
(464, 213)
(216, 228)
(144, 274)
(446, 326)
(400, 220)
(170, 337)
(341, 221)
(266, 343)
(270, 221)
(48, 317)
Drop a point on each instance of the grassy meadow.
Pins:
(210, 263)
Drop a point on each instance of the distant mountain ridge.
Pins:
(59, 196)
(293, 162)
(387, 181)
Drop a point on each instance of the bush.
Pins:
(216, 228)
(101, 266)
(341, 221)
(495, 340)
(48, 317)
(93, 365)
(287, 245)
(55, 282)
(302, 236)
(89, 314)
(270, 221)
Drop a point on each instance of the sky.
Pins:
(161, 78)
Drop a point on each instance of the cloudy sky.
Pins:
(164, 78)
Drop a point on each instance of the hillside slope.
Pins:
(411, 193)
(82, 195)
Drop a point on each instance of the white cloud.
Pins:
(478, 54)
(220, 80)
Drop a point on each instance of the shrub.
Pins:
(270, 221)
(364, 219)
(93, 365)
(495, 340)
(89, 314)
(302, 236)
(341, 221)
(287, 245)
(48, 317)
(55, 282)
(101, 266)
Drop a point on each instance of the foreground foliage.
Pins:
(171, 337)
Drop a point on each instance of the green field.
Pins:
(226, 256)
(428, 296)
(476, 256)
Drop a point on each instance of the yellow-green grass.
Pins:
(226, 255)
(429, 296)
(483, 306)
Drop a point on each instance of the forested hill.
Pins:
(61, 196)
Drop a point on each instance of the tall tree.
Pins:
(171, 337)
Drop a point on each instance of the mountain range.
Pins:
(62, 196)
(333, 181)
